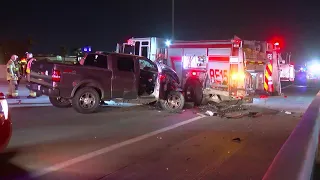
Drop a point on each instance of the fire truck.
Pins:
(287, 70)
(214, 70)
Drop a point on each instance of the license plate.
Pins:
(39, 87)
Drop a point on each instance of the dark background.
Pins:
(101, 24)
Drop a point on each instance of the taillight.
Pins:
(162, 77)
(56, 76)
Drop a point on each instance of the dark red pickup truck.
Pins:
(107, 76)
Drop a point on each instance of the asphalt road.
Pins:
(144, 143)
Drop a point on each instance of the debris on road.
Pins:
(238, 140)
(210, 113)
(229, 111)
(288, 112)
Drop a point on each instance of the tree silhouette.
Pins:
(63, 52)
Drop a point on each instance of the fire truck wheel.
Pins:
(39, 94)
(193, 92)
(174, 102)
(60, 102)
(86, 100)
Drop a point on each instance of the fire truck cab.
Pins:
(209, 70)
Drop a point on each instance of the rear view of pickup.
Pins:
(62, 82)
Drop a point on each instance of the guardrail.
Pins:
(297, 156)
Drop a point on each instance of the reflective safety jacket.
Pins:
(11, 71)
(28, 70)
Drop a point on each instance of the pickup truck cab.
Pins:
(107, 76)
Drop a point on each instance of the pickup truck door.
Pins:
(124, 79)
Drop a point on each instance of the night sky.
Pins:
(102, 24)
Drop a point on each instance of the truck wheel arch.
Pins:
(88, 83)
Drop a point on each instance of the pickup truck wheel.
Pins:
(174, 102)
(86, 100)
(60, 102)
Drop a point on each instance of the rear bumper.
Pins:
(52, 92)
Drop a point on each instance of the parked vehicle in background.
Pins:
(5, 123)
(215, 70)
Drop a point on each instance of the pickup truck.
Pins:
(107, 76)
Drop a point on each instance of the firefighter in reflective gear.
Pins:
(17, 71)
(30, 60)
(12, 78)
(23, 65)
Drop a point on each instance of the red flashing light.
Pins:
(276, 43)
(56, 76)
(130, 42)
(194, 73)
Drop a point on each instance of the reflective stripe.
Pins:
(32, 93)
(268, 78)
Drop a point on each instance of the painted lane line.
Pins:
(28, 105)
(107, 149)
(285, 87)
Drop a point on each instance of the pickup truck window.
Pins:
(125, 64)
(146, 64)
(96, 60)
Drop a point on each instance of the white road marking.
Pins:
(107, 149)
(287, 86)
(28, 105)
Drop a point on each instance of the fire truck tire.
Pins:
(60, 102)
(86, 94)
(39, 94)
(195, 92)
(174, 102)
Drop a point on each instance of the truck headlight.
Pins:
(236, 76)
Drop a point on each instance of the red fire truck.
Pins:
(209, 70)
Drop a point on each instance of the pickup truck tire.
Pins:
(60, 102)
(83, 105)
(193, 92)
(174, 102)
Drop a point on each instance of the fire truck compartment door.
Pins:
(219, 73)
(219, 51)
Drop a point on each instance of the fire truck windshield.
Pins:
(128, 49)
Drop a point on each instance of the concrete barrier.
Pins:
(296, 159)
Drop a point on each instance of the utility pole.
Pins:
(172, 16)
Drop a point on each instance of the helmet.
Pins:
(29, 55)
(14, 57)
